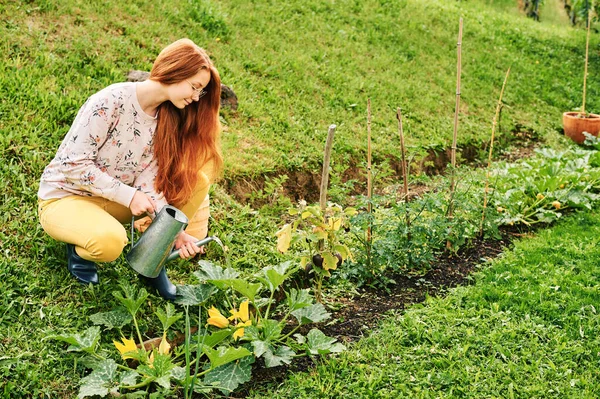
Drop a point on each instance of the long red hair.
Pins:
(186, 139)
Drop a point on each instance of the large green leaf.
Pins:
(133, 298)
(275, 275)
(282, 355)
(192, 295)
(311, 314)
(298, 299)
(209, 271)
(216, 337)
(114, 319)
(101, 381)
(270, 329)
(85, 342)
(168, 316)
(320, 344)
(228, 377)
(225, 354)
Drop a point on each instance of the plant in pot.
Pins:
(576, 123)
(318, 234)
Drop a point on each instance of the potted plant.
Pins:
(575, 123)
(317, 233)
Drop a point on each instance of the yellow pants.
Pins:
(95, 225)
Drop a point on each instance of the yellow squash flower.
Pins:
(216, 318)
(239, 333)
(556, 204)
(540, 196)
(243, 314)
(164, 346)
(127, 346)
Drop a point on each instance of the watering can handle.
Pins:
(175, 254)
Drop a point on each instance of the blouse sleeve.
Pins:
(145, 183)
(91, 129)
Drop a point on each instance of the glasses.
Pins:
(197, 92)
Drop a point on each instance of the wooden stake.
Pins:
(454, 136)
(487, 174)
(369, 172)
(404, 170)
(585, 72)
(456, 110)
(325, 174)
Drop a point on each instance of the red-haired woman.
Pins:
(133, 148)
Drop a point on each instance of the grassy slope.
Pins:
(527, 328)
(296, 66)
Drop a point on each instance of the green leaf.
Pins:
(228, 377)
(329, 261)
(209, 271)
(168, 316)
(311, 314)
(101, 381)
(298, 299)
(114, 319)
(129, 378)
(275, 275)
(282, 355)
(226, 278)
(223, 355)
(320, 344)
(178, 373)
(85, 342)
(271, 330)
(160, 370)
(216, 337)
(133, 298)
(342, 250)
(260, 347)
(192, 295)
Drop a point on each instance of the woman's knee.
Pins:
(107, 244)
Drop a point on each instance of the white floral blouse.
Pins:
(107, 152)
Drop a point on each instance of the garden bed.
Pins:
(360, 314)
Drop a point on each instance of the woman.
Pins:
(133, 148)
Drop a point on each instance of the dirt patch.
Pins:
(358, 315)
(305, 185)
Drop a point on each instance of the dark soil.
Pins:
(357, 315)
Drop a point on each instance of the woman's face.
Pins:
(183, 93)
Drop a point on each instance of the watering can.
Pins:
(154, 248)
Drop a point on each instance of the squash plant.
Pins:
(318, 234)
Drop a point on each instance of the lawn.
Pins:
(296, 67)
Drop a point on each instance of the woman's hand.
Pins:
(141, 203)
(185, 243)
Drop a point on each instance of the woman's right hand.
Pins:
(141, 203)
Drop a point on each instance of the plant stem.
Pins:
(404, 175)
(487, 173)
(269, 305)
(137, 329)
(199, 345)
(187, 351)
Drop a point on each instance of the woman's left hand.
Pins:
(185, 243)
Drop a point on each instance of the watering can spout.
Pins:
(154, 248)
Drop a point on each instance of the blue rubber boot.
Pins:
(83, 270)
(163, 285)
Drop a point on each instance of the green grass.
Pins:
(527, 328)
(296, 66)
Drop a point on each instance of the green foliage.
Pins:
(526, 327)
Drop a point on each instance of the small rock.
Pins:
(228, 97)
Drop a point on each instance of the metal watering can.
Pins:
(154, 248)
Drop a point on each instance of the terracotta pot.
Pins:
(574, 125)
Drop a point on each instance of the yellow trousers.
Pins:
(95, 225)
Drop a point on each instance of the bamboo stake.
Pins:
(404, 170)
(585, 73)
(456, 109)
(369, 172)
(487, 174)
(454, 136)
(325, 174)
